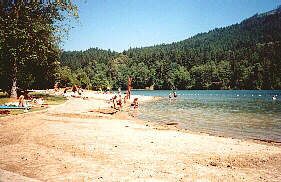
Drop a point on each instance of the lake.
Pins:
(234, 113)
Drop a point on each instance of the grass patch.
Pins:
(48, 99)
(3, 95)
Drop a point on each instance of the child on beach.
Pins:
(135, 103)
(120, 102)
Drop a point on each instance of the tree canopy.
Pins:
(30, 33)
(240, 56)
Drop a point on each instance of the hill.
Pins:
(240, 56)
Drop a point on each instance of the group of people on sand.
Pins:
(107, 91)
(75, 91)
(24, 98)
(174, 94)
(118, 102)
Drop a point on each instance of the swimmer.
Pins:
(274, 97)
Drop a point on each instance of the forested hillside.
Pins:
(241, 56)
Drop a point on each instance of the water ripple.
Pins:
(246, 114)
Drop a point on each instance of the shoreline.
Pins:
(174, 125)
(171, 125)
(70, 143)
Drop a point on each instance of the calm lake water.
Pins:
(235, 113)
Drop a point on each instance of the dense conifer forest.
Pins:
(241, 56)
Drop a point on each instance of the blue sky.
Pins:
(121, 24)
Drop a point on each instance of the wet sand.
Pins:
(75, 141)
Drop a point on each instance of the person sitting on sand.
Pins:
(66, 93)
(21, 101)
(40, 100)
(26, 96)
(100, 91)
(107, 90)
(65, 90)
(74, 88)
(56, 87)
(80, 91)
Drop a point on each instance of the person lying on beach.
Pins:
(68, 94)
(39, 101)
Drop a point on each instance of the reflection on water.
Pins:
(246, 114)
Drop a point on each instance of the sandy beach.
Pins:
(78, 141)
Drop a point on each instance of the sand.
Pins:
(69, 143)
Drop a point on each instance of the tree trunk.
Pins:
(14, 80)
(15, 69)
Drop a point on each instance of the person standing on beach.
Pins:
(125, 99)
(119, 91)
(170, 95)
(114, 101)
(175, 95)
(129, 87)
(136, 104)
(119, 102)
